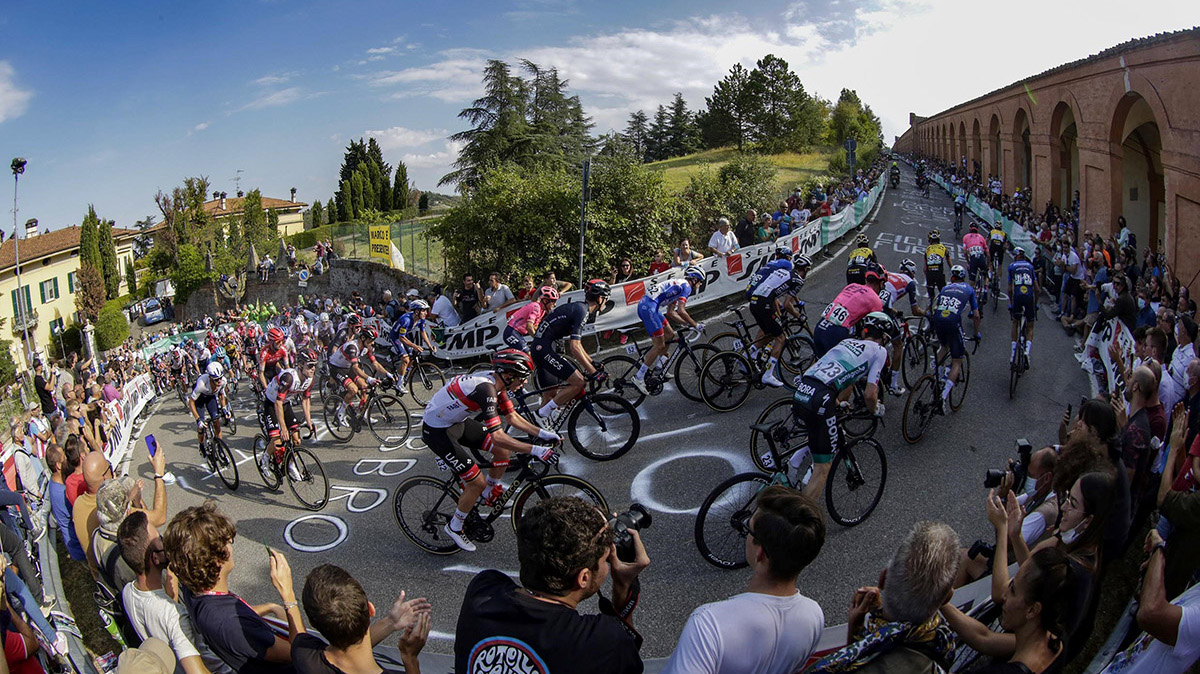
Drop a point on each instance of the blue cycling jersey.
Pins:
(772, 279)
(672, 291)
(954, 300)
(406, 324)
(1021, 276)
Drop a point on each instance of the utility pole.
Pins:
(583, 199)
(18, 167)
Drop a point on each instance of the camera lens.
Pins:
(993, 478)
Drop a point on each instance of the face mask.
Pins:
(1069, 536)
(1141, 303)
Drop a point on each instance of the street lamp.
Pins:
(18, 167)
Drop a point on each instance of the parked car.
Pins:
(153, 312)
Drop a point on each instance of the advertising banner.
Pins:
(381, 243)
(136, 393)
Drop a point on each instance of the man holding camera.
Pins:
(566, 550)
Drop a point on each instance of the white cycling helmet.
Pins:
(908, 266)
(215, 371)
(694, 274)
(324, 317)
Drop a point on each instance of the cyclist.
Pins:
(895, 286)
(208, 396)
(672, 297)
(274, 357)
(179, 360)
(936, 255)
(860, 259)
(408, 329)
(458, 409)
(566, 322)
(346, 330)
(276, 413)
(960, 205)
(946, 320)
(815, 402)
(851, 304)
(524, 322)
(346, 368)
(1023, 291)
(772, 289)
(325, 330)
(202, 356)
(975, 247)
(997, 245)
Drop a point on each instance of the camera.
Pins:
(1019, 468)
(982, 548)
(636, 518)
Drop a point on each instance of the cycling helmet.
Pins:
(418, 305)
(878, 323)
(694, 274)
(298, 321)
(275, 335)
(324, 317)
(974, 227)
(958, 272)
(861, 240)
(307, 359)
(935, 236)
(597, 288)
(368, 332)
(908, 266)
(302, 329)
(215, 371)
(513, 361)
(368, 311)
(801, 262)
(548, 293)
(353, 319)
(783, 252)
(874, 272)
(1019, 252)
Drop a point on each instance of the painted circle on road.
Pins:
(641, 488)
(338, 524)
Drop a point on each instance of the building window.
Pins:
(24, 305)
(56, 326)
(49, 290)
(72, 281)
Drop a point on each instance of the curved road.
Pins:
(685, 451)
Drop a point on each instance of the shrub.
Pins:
(112, 327)
(188, 273)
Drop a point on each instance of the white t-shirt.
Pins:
(1080, 269)
(445, 311)
(153, 614)
(723, 243)
(749, 632)
(1148, 655)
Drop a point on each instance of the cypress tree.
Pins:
(400, 191)
(108, 261)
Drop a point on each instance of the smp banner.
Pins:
(724, 276)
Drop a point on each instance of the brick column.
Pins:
(1044, 176)
(1098, 195)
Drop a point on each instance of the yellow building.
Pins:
(49, 263)
(291, 220)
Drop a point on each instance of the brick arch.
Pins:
(962, 141)
(1064, 151)
(995, 165)
(953, 145)
(1022, 159)
(977, 143)
(1147, 216)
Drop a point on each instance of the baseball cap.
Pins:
(154, 656)
(1189, 325)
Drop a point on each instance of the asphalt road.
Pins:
(685, 450)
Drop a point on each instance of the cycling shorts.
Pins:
(447, 445)
(552, 368)
(652, 318)
(826, 336)
(266, 418)
(399, 347)
(341, 374)
(208, 404)
(177, 372)
(1026, 304)
(949, 334)
(815, 405)
(976, 264)
(514, 339)
(763, 310)
(996, 250)
(935, 280)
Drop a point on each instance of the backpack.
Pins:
(1132, 241)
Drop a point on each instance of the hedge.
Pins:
(112, 327)
(309, 237)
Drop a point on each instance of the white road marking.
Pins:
(245, 458)
(468, 568)
(640, 488)
(442, 636)
(677, 431)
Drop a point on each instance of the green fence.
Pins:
(422, 253)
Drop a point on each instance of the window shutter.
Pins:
(42, 290)
(56, 295)
(28, 301)
(16, 310)
(71, 283)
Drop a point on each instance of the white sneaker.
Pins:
(769, 379)
(460, 538)
(294, 472)
(264, 461)
(60, 645)
(401, 389)
(640, 385)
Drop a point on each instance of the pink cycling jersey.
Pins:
(975, 244)
(530, 312)
(854, 302)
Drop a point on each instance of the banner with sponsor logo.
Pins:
(724, 277)
(135, 395)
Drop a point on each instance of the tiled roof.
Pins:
(51, 242)
(234, 205)
(1124, 47)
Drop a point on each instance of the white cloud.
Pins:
(275, 98)
(381, 50)
(198, 128)
(454, 78)
(13, 99)
(441, 159)
(397, 137)
(274, 80)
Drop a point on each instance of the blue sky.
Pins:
(111, 102)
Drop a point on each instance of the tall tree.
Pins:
(423, 203)
(108, 261)
(143, 241)
(131, 277)
(499, 129)
(851, 119)
(681, 128)
(727, 120)
(636, 132)
(315, 215)
(254, 223)
(356, 195)
(782, 116)
(400, 191)
(374, 178)
(368, 188)
(344, 206)
(657, 139)
(89, 239)
(89, 291)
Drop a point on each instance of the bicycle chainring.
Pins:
(654, 383)
(477, 529)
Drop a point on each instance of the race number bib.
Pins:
(838, 314)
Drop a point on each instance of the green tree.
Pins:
(681, 129)
(357, 203)
(112, 327)
(255, 224)
(423, 203)
(499, 130)
(131, 276)
(636, 132)
(369, 199)
(8, 366)
(273, 221)
(657, 140)
(400, 191)
(316, 214)
(89, 291)
(851, 119)
(749, 181)
(344, 207)
(727, 120)
(188, 273)
(782, 113)
(143, 242)
(89, 239)
(108, 260)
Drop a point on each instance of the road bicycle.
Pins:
(384, 414)
(686, 358)
(994, 290)
(1018, 363)
(853, 489)
(798, 350)
(423, 505)
(915, 355)
(855, 420)
(600, 426)
(218, 456)
(301, 468)
(422, 379)
(181, 390)
(728, 377)
(924, 399)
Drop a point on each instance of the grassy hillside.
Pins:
(793, 167)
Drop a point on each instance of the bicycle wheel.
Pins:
(423, 506)
(388, 419)
(306, 478)
(919, 408)
(553, 486)
(726, 341)
(321, 384)
(425, 380)
(603, 427)
(231, 423)
(798, 354)
(725, 381)
(788, 438)
(224, 464)
(958, 394)
(855, 483)
(270, 478)
(914, 359)
(341, 431)
(688, 366)
(724, 520)
(620, 370)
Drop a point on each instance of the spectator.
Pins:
(497, 295)
(109, 391)
(623, 272)
(468, 299)
(337, 607)
(1146, 421)
(20, 643)
(56, 459)
(659, 264)
(392, 309)
(233, 629)
(745, 228)
(1181, 509)
(30, 471)
(442, 309)
(684, 255)
(113, 502)
(561, 286)
(151, 602)
(722, 242)
(526, 288)
(96, 469)
(1170, 643)
(906, 633)
(765, 231)
(154, 656)
(566, 551)
(1185, 352)
(771, 627)
(45, 388)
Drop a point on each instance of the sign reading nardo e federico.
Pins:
(381, 242)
